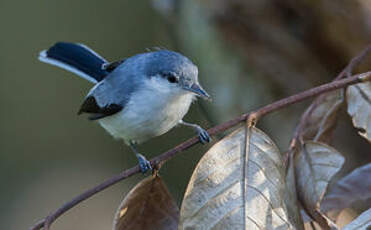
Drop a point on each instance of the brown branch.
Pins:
(161, 159)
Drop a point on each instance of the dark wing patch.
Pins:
(109, 67)
(90, 106)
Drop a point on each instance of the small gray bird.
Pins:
(137, 98)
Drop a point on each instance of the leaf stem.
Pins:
(161, 159)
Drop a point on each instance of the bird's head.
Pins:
(174, 71)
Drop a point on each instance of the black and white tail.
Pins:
(76, 58)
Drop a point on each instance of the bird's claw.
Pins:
(203, 135)
(144, 164)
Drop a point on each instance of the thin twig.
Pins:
(161, 159)
(353, 63)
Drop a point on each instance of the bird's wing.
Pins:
(90, 105)
(111, 95)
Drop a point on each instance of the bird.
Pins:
(136, 98)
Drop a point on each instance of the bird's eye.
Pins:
(171, 78)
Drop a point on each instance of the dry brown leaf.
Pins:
(238, 184)
(315, 165)
(359, 107)
(351, 188)
(149, 205)
(344, 217)
(363, 222)
(322, 117)
(291, 194)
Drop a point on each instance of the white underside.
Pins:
(151, 111)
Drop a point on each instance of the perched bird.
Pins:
(137, 98)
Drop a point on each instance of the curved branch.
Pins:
(161, 159)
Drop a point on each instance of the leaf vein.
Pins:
(257, 225)
(270, 204)
(221, 191)
(363, 94)
(265, 174)
(215, 169)
(325, 165)
(267, 155)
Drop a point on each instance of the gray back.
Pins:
(119, 85)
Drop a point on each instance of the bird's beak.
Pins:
(197, 89)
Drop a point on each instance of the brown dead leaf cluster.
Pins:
(242, 182)
(316, 162)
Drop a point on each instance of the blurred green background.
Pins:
(249, 54)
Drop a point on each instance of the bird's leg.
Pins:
(144, 164)
(202, 134)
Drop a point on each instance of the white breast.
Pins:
(152, 111)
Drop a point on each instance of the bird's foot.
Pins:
(203, 135)
(144, 164)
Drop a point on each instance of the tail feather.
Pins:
(76, 58)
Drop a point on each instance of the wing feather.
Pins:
(90, 105)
